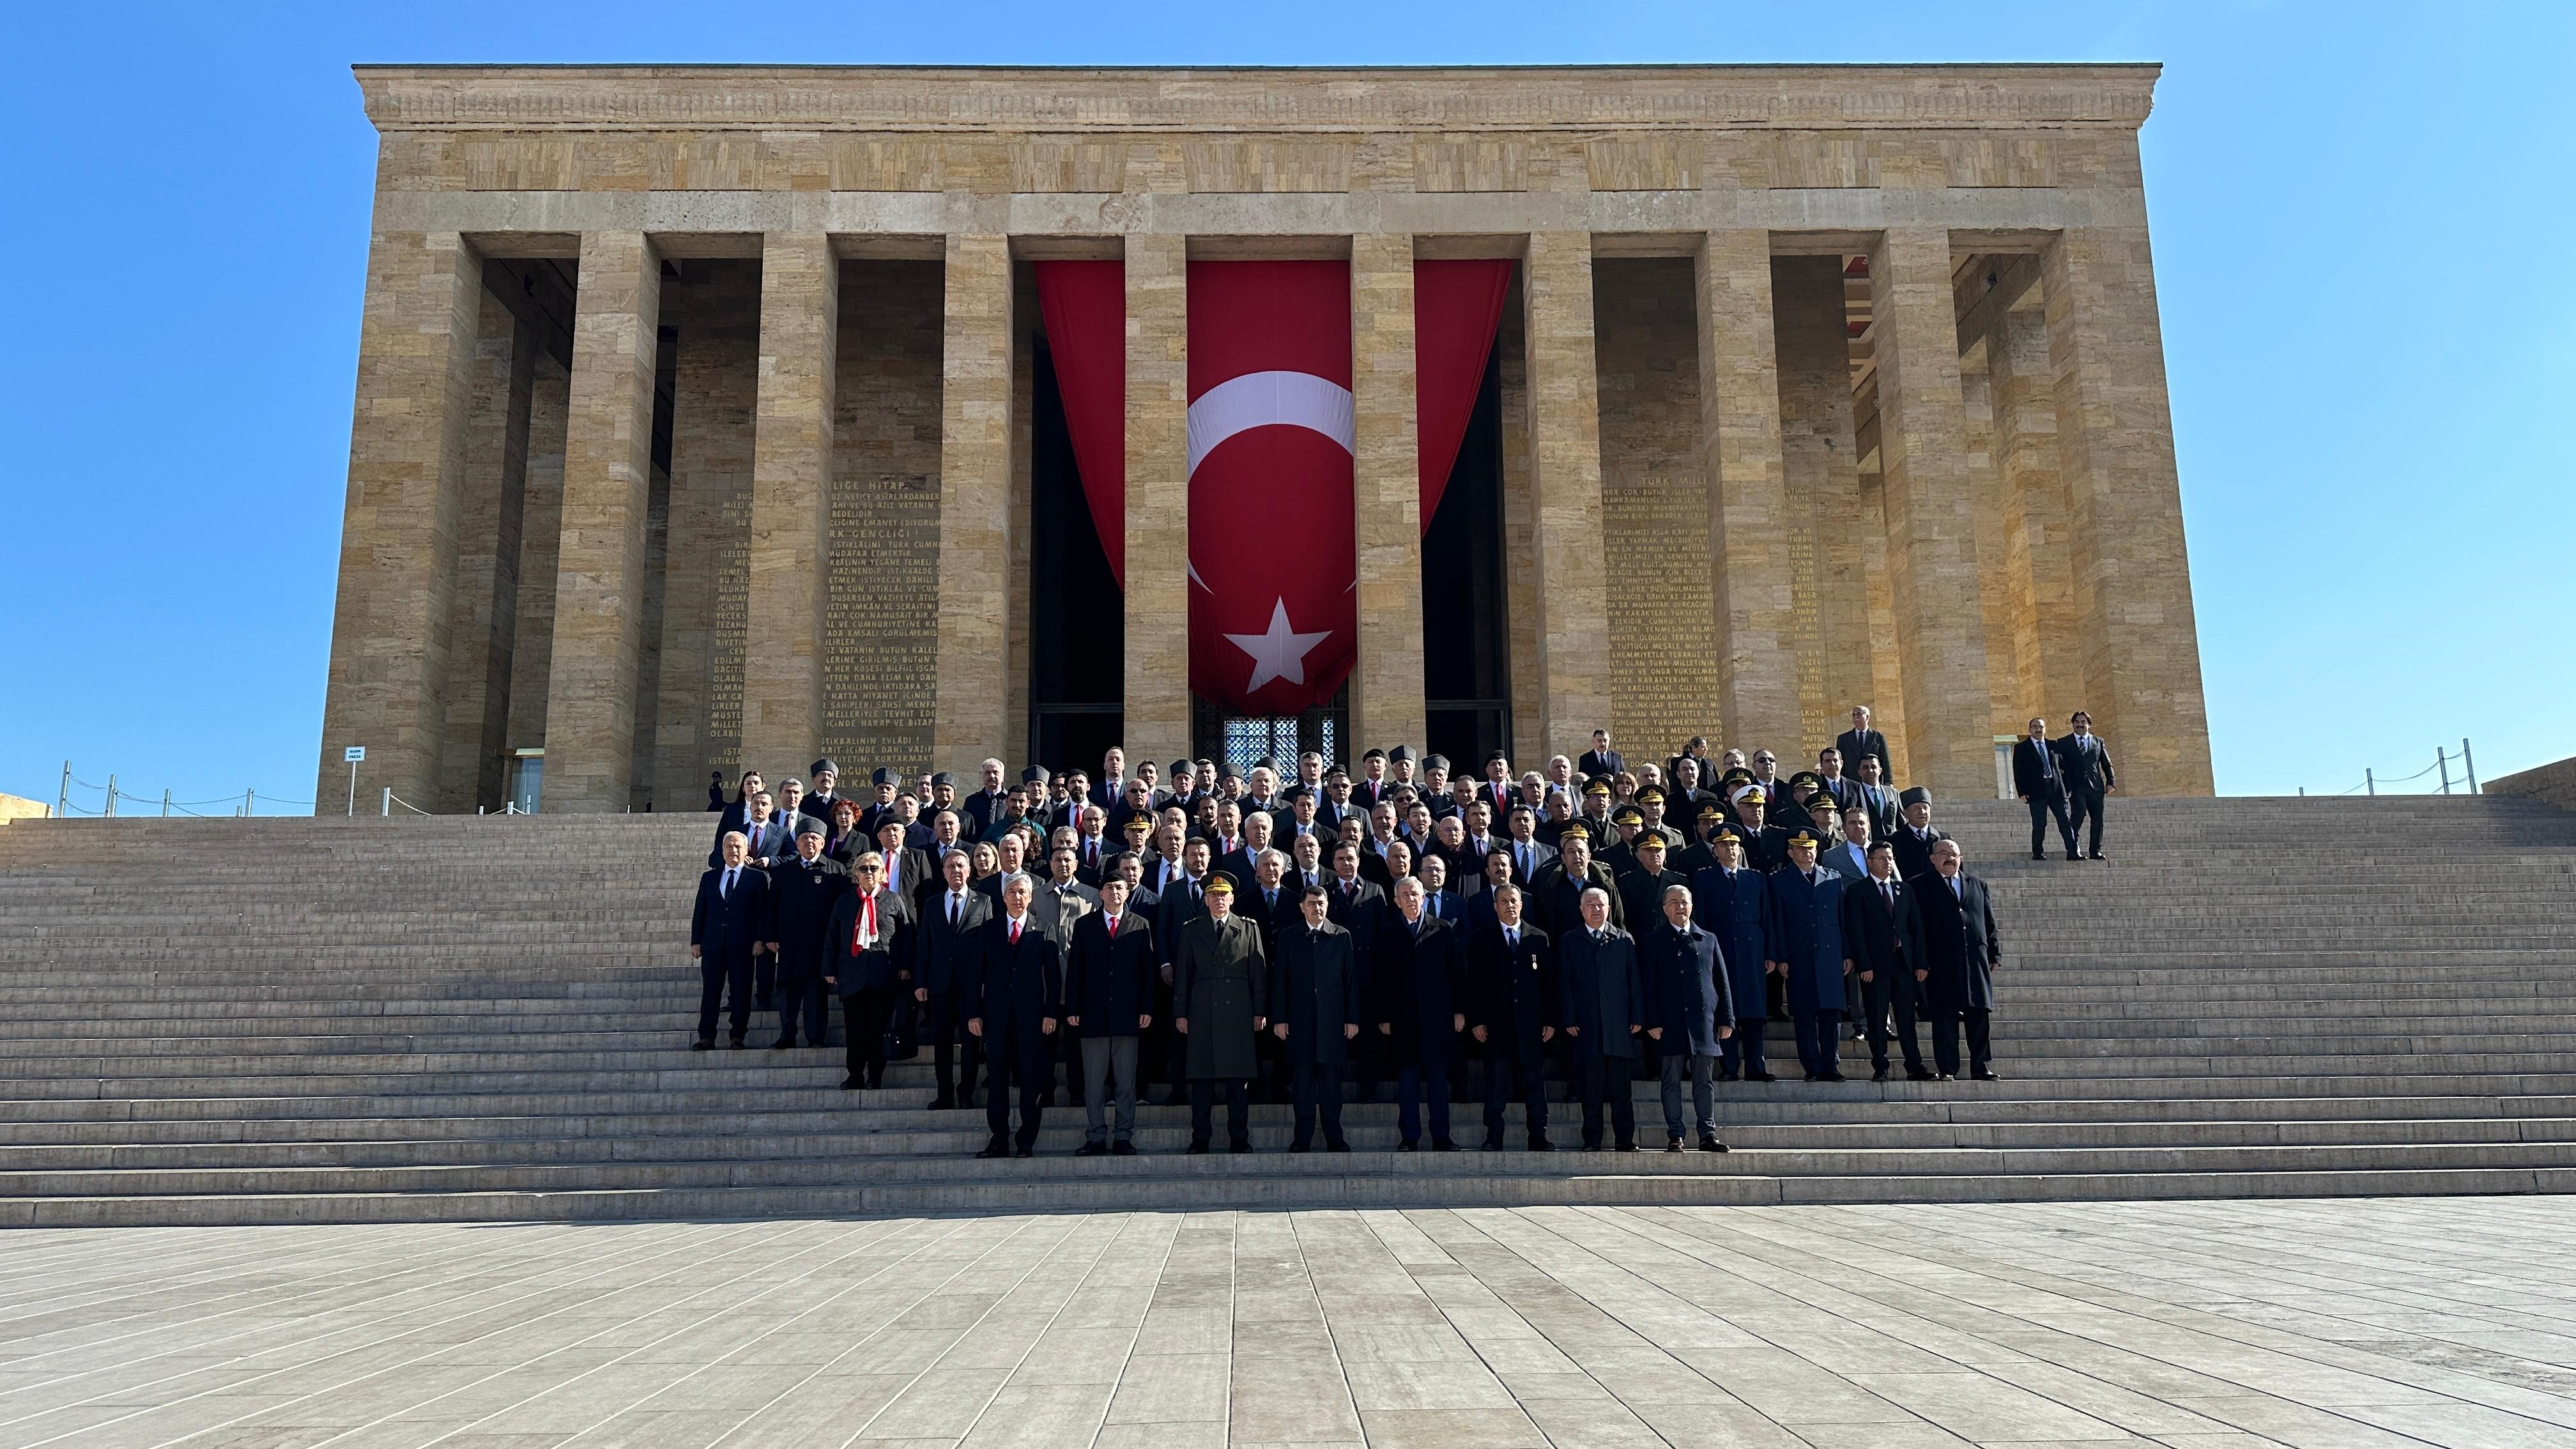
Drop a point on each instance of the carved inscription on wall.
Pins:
(1654, 507)
(881, 610)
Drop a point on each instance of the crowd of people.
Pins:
(1308, 935)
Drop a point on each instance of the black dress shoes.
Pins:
(1493, 1144)
(1708, 1143)
(1408, 1145)
(1340, 1146)
(1833, 1077)
(734, 1045)
(1443, 1144)
(1027, 1149)
(941, 1104)
(2097, 855)
(851, 1084)
(1092, 1149)
(1672, 1144)
(1760, 1077)
(1541, 1144)
(1198, 1149)
(1878, 1074)
(1986, 1076)
(1918, 1074)
(1123, 1149)
(1240, 1144)
(699, 1046)
(1627, 1147)
(996, 1148)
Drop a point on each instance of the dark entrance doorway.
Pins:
(1078, 618)
(1466, 656)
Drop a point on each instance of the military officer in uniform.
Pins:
(1806, 904)
(1220, 986)
(1733, 901)
(802, 890)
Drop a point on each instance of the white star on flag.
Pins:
(1279, 654)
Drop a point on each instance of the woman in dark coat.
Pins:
(1220, 993)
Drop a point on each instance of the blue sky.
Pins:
(2360, 217)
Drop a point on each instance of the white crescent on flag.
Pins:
(1264, 399)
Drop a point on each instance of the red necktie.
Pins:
(1015, 933)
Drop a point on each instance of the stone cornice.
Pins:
(1271, 100)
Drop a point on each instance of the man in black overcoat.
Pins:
(950, 919)
(1419, 976)
(1961, 950)
(1602, 1007)
(1861, 741)
(802, 891)
(868, 961)
(729, 923)
(1555, 899)
(1883, 940)
(1511, 1012)
(1109, 998)
(1316, 1007)
(1689, 1013)
(1015, 993)
(1359, 905)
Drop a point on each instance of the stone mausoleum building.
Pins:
(705, 417)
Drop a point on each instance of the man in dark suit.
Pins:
(1511, 1011)
(950, 919)
(867, 962)
(1641, 890)
(985, 805)
(904, 868)
(1529, 854)
(1601, 1004)
(1556, 897)
(1689, 1012)
(1877, 797)
(1861, 740)
(1016, 995)
(2041, 784)
(2085, 762)
(1600, 761)
(1111, 787)
(1915, 836)
(730, 922)
(1962, 951)
(1315, 1006)
(1419, 978)
(802, 891)
(1883, 939)
(1359, 906)
(1109, 998)
(1372, 785)
(766, 838)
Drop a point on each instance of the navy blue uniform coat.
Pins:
(1811, 938)
(1737, 911)
(1686, 987)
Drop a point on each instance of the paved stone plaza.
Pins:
(2209, 1324)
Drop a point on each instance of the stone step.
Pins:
(1167, 1131)
(919, 1170)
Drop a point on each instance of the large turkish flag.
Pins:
(1273, 622)
(1272, 572)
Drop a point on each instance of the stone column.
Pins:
(540, 536)
(483, 620)
(1386, 686)
(973, 689)
(2009, 697)
(2047, 645)
(2115, 447)
(390, 625)
(607, 494)
(1931, 515)
(1748, 513)
(1565, 485)
(791, 512)
(1157, 718)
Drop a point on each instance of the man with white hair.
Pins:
(1602, 1001)
(1016, 997)
(730, 921)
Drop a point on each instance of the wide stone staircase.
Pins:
(257, 1021)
